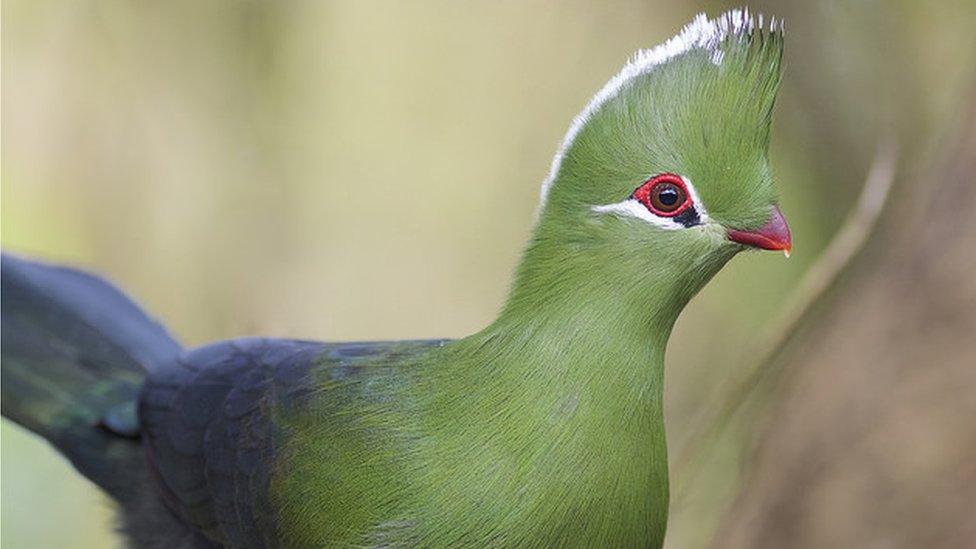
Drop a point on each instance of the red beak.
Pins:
(774, 235)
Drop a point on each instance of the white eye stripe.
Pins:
(633, 208)
(695, 200)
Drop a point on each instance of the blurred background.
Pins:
(369, 170)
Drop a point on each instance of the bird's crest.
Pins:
(730, 64)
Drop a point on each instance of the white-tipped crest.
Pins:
(701, 33)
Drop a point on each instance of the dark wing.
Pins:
(75, 352)
(208, 424)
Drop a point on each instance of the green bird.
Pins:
(543, 429)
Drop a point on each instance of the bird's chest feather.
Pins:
(555, 497)
(391, 483)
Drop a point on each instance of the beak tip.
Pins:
(774, 235)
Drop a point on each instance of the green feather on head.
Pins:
(698, 105)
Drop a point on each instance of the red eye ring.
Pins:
(665, 195)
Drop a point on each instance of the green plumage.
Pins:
(545, 428)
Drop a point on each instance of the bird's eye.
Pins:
(664, 195)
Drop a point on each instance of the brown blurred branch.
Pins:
(870, 442)
(845, 245)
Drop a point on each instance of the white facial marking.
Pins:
(699, 34)
(633, 208)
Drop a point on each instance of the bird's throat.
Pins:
(564, 392)
(568, 391)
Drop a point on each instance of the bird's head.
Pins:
(668, 162)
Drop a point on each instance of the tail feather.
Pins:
(75, 351)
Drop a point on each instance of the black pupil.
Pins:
(668, 196)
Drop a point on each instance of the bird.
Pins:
(545, 428)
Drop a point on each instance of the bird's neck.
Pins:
(580, 317)
(582, 337)
(567, 384)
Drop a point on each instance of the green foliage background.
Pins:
(369, 170)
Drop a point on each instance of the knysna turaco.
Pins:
(543, 429)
